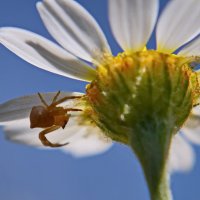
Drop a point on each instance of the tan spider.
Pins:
(50, 117)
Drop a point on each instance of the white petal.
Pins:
(178, 24)
(192, 134)
(84, 139)
(74, 28)
(44, 54)
(87, 142)
(132, 21)
(196, 111)
(181, 156)
(20, 108)
(19, 131)
(192, 49)
(191, 129)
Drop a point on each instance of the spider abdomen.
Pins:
(41, 117)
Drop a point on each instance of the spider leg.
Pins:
(64, 120)
(64, 99)
(42, 99)
(56, 96)
(73, 109)
(45, 141)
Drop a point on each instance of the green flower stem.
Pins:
(162, 191)
(152, 153)
(158, 183)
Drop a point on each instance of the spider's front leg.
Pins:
(45, 141)
(62, 120)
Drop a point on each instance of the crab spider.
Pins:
(51, 117)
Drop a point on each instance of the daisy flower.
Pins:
(142, 98)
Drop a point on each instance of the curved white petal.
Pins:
(192, 134)
(181, 156)
(132, 21)
(44, 54)
(192, 49)
(83, 139)
(178, 24)
(191, 128)
(74, 28)
(88, 141)
(196, 111)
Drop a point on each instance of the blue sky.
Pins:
(27, 173)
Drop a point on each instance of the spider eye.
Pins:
(40, 117)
